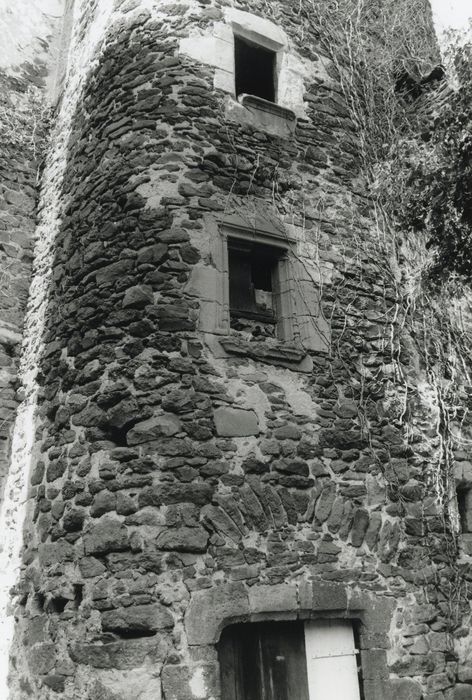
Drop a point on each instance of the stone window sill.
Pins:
(262, 114)
(275, 353)
(258, 103)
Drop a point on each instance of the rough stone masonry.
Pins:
(188, 467)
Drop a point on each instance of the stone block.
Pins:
(464, 672)
(377, 611)
(107, 535)
(360, 523)
(281, 597)
(41, 658)
(137, 619)
(441, 681)
(123, 412)
(113, 272)
(305, 595)
(288, 432)
(236, 422)
(55, 552)
(123, 654)
(221, 523)
(210, 609)
(374, 664)
(372, 532)
(90, 567)
(329, 596)
(73, 519)
(461, 691)
(377, 690)
(137, 297)
(55, 682)
(103, 502)
(152, 254)
(325, 502)
(153, 428)
(183, 539)
(187, 682)
(257, 28)
(413, 666)
(141, 684)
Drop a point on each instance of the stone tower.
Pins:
(219, 448)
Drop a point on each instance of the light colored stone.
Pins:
(209, 611)
(189, 682)
(236, 422)
(281, 597)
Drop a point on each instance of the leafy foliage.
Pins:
(432, 173)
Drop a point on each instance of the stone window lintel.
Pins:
(211, 610)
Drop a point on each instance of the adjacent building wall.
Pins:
(186, 475)
(27, 72)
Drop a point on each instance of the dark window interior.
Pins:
(463, 497)
(263, 661)
(254, 70)
(252, 273)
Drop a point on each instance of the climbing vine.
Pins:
(414, 128)
(24, 119)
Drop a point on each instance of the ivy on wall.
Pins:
(434, 172)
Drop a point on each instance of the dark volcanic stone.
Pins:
(138, 619)
(107, 535)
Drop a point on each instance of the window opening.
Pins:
(464, 506)
(315, 660)
(254, 69)
(253, 273)
(263, 661)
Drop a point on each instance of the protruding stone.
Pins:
(137, 619)
(137, 297)
(153, 428)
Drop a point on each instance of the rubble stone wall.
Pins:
(187, 475)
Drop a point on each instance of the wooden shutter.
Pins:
(263, 661)
(331, 660)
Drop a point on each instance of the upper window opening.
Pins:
(253, 278)
(315, 660)
(254, 70)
